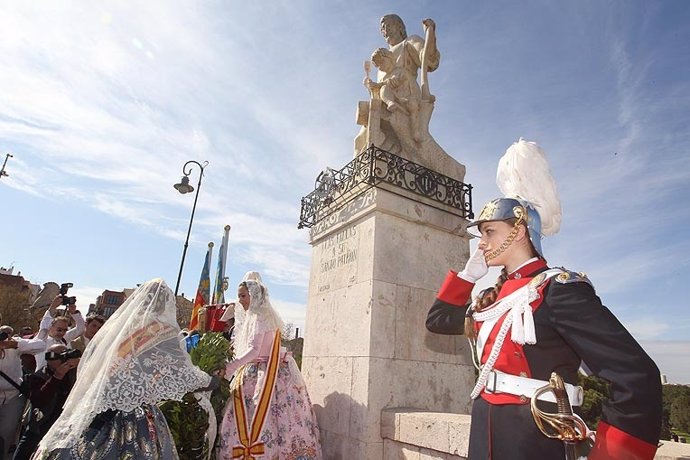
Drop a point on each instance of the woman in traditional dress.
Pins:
(134, 362)
(537, 320)
(269, 413)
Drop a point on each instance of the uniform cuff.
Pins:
(455, 291)
(614, 443)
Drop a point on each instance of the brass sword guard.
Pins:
(563, 425)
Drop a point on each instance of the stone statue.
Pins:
(397, 89)
(396, 118)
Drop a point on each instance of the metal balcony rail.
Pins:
(336, 188)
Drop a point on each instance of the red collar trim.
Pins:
(527, 270)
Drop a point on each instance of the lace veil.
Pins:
(260, 317)
(134, 359)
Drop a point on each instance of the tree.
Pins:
(288, 331)
(665, 425)
(674, 417)
(680, 413)
(592, 405)
(596, 391)
(14, 308)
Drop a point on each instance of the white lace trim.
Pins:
(260, 317)
(134, 359)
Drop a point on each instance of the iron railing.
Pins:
(336, 188)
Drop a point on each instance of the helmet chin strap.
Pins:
(507, 242)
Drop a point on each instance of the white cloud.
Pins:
(291, 312)
(647, 328)
(672, 358)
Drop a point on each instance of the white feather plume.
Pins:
(524, 173)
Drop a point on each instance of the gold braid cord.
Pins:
(509, 239)
(564, 425)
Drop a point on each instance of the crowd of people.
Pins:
(37, 371)
(72, 388)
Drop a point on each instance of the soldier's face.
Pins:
(495, 242)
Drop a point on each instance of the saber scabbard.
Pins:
(563, 425)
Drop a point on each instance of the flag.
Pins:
(218, 293)
(203, 293)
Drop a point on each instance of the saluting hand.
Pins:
(475, 268)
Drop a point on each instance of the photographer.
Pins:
(11, 400)
(54, 328)
(48, 390)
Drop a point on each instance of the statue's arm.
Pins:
(433, 56)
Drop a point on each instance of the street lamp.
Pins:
(184, 187)
(2, 171)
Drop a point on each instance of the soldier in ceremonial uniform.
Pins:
(537, 320)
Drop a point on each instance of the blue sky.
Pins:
(101, 104)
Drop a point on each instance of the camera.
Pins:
(4, 336)
(64, 287)
(63, 356)
(68, 300)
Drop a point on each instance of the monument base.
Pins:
(376, 267)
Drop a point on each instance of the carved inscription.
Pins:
(339, 250)
(337, 260)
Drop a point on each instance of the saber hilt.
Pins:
(563, 425)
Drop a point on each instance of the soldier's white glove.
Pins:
(475, 268)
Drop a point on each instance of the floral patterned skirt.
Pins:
(113, 435)
(290, 431)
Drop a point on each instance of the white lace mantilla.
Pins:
(259, 318)
(134, 359)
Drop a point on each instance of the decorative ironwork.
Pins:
(336, 188)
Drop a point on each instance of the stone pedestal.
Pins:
(377, 264)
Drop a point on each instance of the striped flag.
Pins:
(218, 293)
(203, 293)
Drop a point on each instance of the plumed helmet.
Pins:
(513, 208)
(529, 190)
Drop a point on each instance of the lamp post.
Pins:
(184, 187)
(2, 171)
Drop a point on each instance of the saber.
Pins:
(563, 425)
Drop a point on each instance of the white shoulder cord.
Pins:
(521, 320)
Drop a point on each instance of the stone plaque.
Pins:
(335, 259)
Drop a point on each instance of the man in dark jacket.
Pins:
(48, 390)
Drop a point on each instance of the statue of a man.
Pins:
(413, 52)
(397, 117)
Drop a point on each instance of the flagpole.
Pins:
(218, 297)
